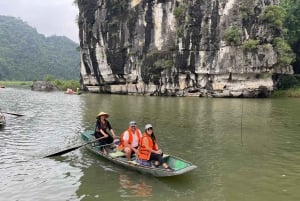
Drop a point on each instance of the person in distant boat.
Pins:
(102, 129)
(129, 140)
(69, 91)
(149, 151)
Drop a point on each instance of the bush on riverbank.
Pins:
(293, 92)
(65, 84)
(288, 82)
(288, 86)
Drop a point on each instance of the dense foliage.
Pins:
(292, 28)
(274, 17)
(288, 81)
(27, 55)
(285, 54)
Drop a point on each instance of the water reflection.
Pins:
(133, 187)
(104, 180)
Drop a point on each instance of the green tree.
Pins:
(292, 20)
(274, 16)
(292, 28)
(285, 54)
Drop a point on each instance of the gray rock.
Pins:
(143, 48)
(42, 86)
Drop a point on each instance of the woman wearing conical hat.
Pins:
(104, 130)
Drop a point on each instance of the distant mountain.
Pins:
(27, 55)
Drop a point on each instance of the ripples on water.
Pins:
(50, 120)
(249, 155)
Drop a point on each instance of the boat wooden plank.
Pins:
(117, 154)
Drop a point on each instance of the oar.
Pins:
(71, 149)
(19, 115)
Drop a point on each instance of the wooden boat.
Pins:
(178, 165)
(2, 120)
(2, 123)
(73, 93)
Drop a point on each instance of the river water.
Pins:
(245, 149)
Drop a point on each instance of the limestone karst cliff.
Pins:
(219, 48)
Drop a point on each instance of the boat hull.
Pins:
(180, 166)
(2, 120)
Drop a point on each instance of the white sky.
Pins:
(49, 17)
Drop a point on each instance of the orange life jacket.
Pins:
(130, 139)
(144, 154)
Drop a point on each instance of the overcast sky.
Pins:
(49, 17)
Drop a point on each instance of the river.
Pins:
(245, 149)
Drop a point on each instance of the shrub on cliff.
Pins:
(232, 36)
(250, 45)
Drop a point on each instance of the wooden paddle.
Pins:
(71, 149)
(19, 115)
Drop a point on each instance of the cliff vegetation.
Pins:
(223, 48)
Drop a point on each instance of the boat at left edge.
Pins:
(2, 119)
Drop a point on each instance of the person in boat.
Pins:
(149, 151)
(104, 130)
(129, 140)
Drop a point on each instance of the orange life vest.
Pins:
(130, 139)
(144, 154)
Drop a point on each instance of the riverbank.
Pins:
(73, 84)
(16, 83)
(59, 84)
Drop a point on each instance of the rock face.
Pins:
(177, 47)
(42, 86)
